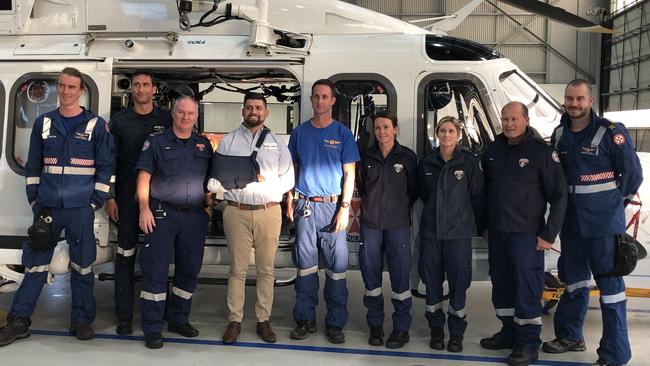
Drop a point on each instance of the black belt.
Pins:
(179, 208)
(330, 198)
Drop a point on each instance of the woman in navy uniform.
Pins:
(387, 186)
(451, 183)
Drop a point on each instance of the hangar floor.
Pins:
(51, 344)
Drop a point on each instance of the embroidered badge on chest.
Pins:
(201, 147)
(523, 162)
(555, 156)
(398, 168)
(459, 174)
(158, 128)
(146, 145)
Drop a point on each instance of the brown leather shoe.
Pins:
(231, 333)
(265, 332)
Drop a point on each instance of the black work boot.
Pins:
(397, 339)
(376, 336)
(17, 328)
(521, 356)
(83, 332)
(153, 340)
(302, 329)
(186, 330)
(124, 327)
(498, 341)
(334, 334)
(437, 338)
(455, 344)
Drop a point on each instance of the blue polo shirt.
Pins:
(179, 168)
(320, 154)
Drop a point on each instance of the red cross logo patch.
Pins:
(619, 139)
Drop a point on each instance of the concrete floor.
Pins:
(51, 344)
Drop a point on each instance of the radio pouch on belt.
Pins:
(237, 171)
(626, 255)
(40, 233)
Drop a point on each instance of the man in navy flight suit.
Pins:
(602, 170)
(68, 172)
(522, 174)
(130, 128)
(174, 212)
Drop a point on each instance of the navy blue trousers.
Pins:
(127, 238)
(581, 257)
(80, 236)
(453, 259)
(395, 246)
(181, 236)
(313, 237)
(517, 274)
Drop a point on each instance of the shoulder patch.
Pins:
(146, 145)
(612, 126)
(555, 156)
(619, 139)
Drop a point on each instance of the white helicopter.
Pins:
(214, 50)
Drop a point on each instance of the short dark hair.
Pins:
(388, 115)
(524, 108)
(254, 96)
(71, 71)
(326, 82)
(579, 82)
(144, 73)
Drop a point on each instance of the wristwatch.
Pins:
(345, 204)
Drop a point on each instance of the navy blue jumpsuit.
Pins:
(387, 187)
(601, 169)
(67, 171)
(130, 131)
(179, 171)
(521, 180)
(452, 194)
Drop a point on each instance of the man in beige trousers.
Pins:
(253, 217)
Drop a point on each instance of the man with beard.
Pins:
(253, 217)
(602, 170)
(130, 127)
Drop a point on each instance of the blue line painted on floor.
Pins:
(293, 347)
(640, 311)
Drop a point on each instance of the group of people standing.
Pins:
(163, 185)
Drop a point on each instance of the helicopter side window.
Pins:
(357, 101)
(34, 96)
(544, 112)
(460, 99)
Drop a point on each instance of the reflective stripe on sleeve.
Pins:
(401, 297)
(335, 276)
(112, 179)
(612, 299)
(33, 180)
(307, 271)
(374, 292)
(102, 187)
(153, 297)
